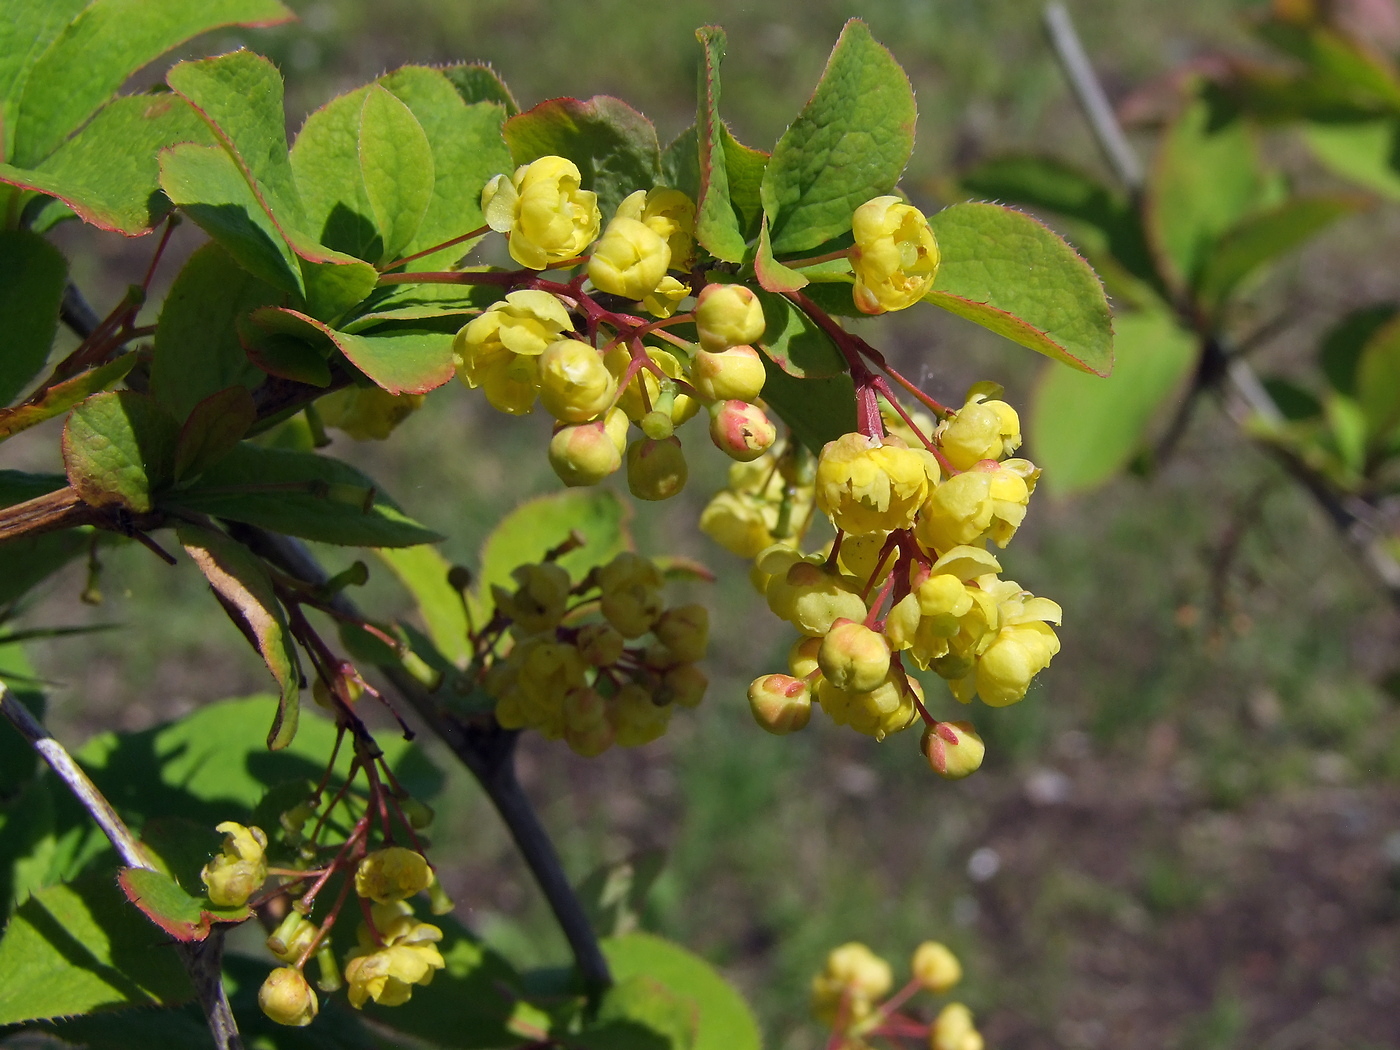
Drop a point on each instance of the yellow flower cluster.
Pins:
(570, 672)
(911, 580)
(768, 500)
(390, 959)
(847, 994)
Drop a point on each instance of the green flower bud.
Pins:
(736, 374)
(656, 470)
(728, 315)
(584, 453)
(853, 657)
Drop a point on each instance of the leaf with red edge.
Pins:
(160, 899)
(213, 428)
(119, 449)
(244, 588)
(730, 173)
(771, 274)
(614, 146)
(1011, 274)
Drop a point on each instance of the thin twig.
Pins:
(202, 959)
(489, 752)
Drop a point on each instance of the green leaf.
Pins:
(1260, 239)
(214, 427)
(101, 48)
(207, 183)
(109, 172)
(1204, 180)
(1085, 429)
(794, 341)
(613, 145)
(1011, 274)
(468, 150)
(245, 590)
(725, 1020)
(1046, 184)
(396, 164)
(680, 163)
(478, 83)
(32, 273)
(1349, 425)
(1364, 152)
(1343, 345)
(849, 144)
(77, 948)
(1378, 382)
(536, 526)
(302, 494)
(1338, 64)
(17, 486)
(773, 275)
(721, 226)
(197, 352)
(325, 161)
(289, 344)
(641, 1013)
(423, 572)
(614, 895)
(134, 1030)
(29, 560)
(817, 410)
(160, 899)
(26, 33)
(119, 448)
(60, 397)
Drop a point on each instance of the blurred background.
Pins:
(1187, 836)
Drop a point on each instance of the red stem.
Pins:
(436, 248)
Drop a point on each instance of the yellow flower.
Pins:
(806, 593)
(629, 259)
(980, 430)
(286, 998)
(953, 1030)
(739, 523)
(637, 718)
(895, 257)
(499, 350)
(543, 211)
(366, 413)
(685, 630)
(867, 485)
(935, 967)
(408, 956)
(848, 988)
(668, 213)
(987, 502)
(236, 873)
(878, 712)
(575, 385)
(392, 874)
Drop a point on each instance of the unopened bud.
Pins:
(802, 657)
(741, 431)
(293, 936)
(736, 374)
(287, 999)
(685, 630)
(575, 385)
(439, 903)
(584, 454)
(853, 657)
(418, 814)
(780, 703)
(657, 425)
(684, 685)
(728, 315)
(656, 470)
(935, 967)
(952, 1029)
(953, 749)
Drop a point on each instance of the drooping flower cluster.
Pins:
(851, 995)
(909, 577)
(570, 672)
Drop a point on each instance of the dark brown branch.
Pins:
(487, 750)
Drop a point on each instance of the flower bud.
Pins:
(953, 1030)
(979, 430)
(583, 453)
(728, 315)
(656, 470)
(853, 657)
(736, 374)
(812, 597)
(670, 213)
(685, 630)
(293, 936)
(629, 259)
(418, 814)
(953, 749)
(935, 967)
(236, 873)
(741, 431)
(587, 730)
(600, 644)
(630, 587)
(802, 657)
(683, 685)
(539, 600)
(637, 719)
(392, 874)
(780, 703)
(895, 257)
(575, 385)
(853, 980)
(287, 999)
(738, 523)
(658, 425)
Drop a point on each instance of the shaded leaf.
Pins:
(32, 273)
(817, 410)
(1084, 429)
(680, 163)
(613, 145)
(396, 164)
(722, 224)
(197, 352)
(1343, 345)
(25, 34)
(423, 571)
(245, 590)
(1378, 382)
(478, 83)
(109, 172)
(213, 428)
(60, 397)
(725, 1020)
(302, 494)
(158, 897)
(1365, 152)
(1260, 239)
(1011, 274)
(288, 343)
(794, 341)
(119, 448)
(325, 161)
(101, 48)
(641, 1013)
(72, 949)
(29, 560)
(849, 144)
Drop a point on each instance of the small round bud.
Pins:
(935, 967)
(637, 718)
(802, 657)
(656, 470)
(953, 749)
(953, 1030)
(583, 454)
(728, 315)
(780, 703)
(600, 644)
(741, 431)
(392, 874)
(293, 936)
(683, 685)
(736, 374)
(685, 630)
(575, 385)
(418, 814)
(853, 657)
(658, 425)
(287, 999)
